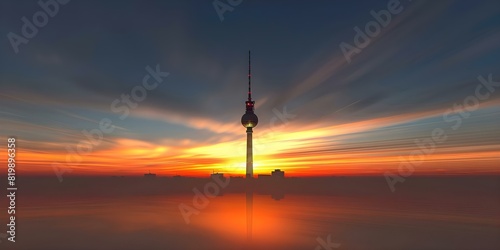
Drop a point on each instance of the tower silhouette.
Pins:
(249, 120)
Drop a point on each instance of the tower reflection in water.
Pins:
(249, 202)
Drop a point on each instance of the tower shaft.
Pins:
(249, 172)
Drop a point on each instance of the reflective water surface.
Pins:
(255, 221)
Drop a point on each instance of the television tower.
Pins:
(249, 120)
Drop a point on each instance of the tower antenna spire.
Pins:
(249, 78)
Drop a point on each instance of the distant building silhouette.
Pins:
(149, 175)
(216, 175)
(264, 176)
(277, 173)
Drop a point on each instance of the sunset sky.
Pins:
(357, 118)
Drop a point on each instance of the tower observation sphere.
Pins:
(249, 120)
